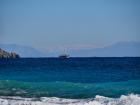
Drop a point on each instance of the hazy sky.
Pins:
(75, 23)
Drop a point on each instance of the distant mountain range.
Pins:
(121, 49)
(23, 51)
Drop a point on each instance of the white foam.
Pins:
(98, 100)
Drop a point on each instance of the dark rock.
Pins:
(5, 54)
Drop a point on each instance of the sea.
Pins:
(72, 81)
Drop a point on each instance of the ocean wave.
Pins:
(98, 100)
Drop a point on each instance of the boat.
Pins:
(64, 56)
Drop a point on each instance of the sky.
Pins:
(56, 24)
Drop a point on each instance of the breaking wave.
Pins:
(98, 100)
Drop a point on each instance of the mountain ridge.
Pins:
(120, 49)
(24, 51)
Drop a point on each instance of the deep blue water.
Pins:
(69, 78)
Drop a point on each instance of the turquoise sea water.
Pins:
(74, 78)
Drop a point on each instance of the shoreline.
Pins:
(130, 99)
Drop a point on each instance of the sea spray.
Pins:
(98, 100)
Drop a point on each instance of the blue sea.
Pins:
(72, 81)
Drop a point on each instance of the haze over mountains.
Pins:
(120, 49)
(23, 51)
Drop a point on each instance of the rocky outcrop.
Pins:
(4, 54)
